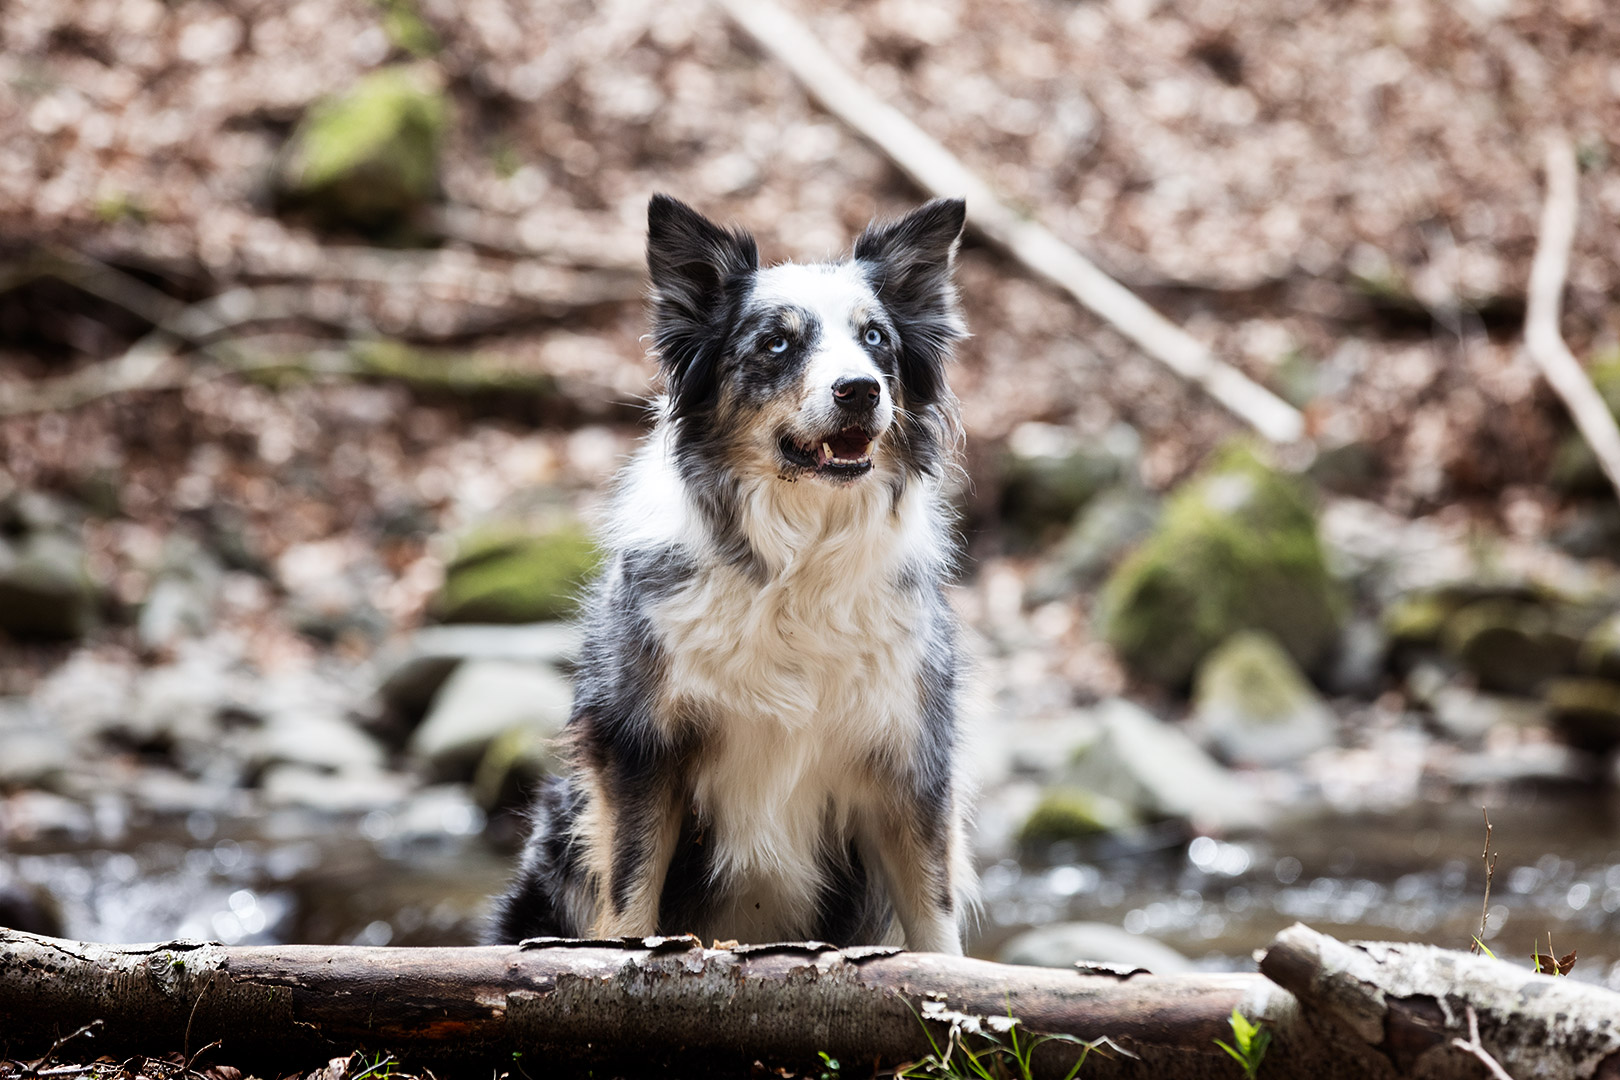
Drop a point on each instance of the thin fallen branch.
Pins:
(1542, 338)
(939, 172)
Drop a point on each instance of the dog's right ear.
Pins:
(695, 265)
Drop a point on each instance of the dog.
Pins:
(763, 739)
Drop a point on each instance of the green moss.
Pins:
(1236, 549)
(1071, 813)
(1418, 618)
(1253, 675)
(404, 26)
(505, 576)
(440, 371)
(370, 156)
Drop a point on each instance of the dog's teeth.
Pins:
(826, 454)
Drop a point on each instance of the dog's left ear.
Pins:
(695, 264)
(908, 263)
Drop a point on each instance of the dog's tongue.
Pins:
(848, 445)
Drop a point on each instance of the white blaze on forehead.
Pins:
(835, 293)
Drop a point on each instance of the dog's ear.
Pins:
(695, 265)
(908, 263)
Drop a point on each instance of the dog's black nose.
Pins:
(858, 393)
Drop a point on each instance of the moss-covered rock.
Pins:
(1237, 549)
(509, 575)
(1585, 712)
(45, 590)
(1510, 645)
(1256, 705)
(368, 157)
(1418, 619)
(1073, 813)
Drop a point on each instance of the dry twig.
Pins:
(1542, 338)
(1473, 1046)
(938, 171)
(1490, 872)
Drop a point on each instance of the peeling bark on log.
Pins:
(1371, 1011)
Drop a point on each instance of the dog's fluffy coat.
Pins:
(764, 722)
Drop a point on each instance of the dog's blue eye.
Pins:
(874, 337)
(778, 345)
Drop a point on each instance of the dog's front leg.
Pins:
(632, 841)
(912, 840)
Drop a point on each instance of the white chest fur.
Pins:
(800, 682)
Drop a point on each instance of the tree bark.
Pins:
(670, 1002)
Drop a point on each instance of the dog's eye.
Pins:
(778, 345)
(874, 337)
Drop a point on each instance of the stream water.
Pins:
(1412, 875)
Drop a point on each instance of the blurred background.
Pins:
(321, 338)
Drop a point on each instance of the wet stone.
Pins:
(1069, 943)
(1158, 771)
(480, 702)
(1256, 706)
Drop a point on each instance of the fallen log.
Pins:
(1412, 1004)
(940, 173)
(670, 1003)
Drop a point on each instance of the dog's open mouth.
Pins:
(846, 453)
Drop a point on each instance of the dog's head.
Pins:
(819, 370)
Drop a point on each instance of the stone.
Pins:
(29, 908)
(1529, 764)
(88, 696)
(369, 157)
(1065, 812)
(45, 590)
(1350, 468)
(1049, 472)
(1418, 619)
(1360, 663)
(1585, 712)
(1237, 549)
(318, 741)
(1159, 772)
(413, 672)
(1104, 531)
(1511, 646)
(1061, 945)
(1256, 706)
(181, 602)
(482, 700)
(512, 769)
(511, 575)
(1600, 650)
(33, 751)
(1467, 716)
(350, 791)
